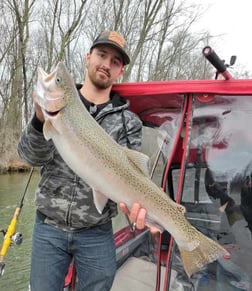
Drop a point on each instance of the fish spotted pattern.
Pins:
(112, 171)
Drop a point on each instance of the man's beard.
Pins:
(99, 82)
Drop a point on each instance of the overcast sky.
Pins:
(231, 20)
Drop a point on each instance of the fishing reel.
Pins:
(16, 239)
(10, 235)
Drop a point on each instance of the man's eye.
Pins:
(101, 55)
(117, 62)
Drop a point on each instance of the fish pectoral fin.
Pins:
(153, 226)
(100, 200)
(139, 159)
(49, 130)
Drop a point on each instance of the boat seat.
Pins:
(140, 274)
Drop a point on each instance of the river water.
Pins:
(17, 259)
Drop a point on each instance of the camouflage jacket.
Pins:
(65, 199)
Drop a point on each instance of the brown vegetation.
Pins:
(13, 165)
(160, 41)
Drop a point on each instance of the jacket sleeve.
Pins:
(133, 131)
(32, 146)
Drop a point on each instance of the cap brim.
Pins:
(126, 59)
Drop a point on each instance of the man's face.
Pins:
(104, 66)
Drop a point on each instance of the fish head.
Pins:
(51, 90)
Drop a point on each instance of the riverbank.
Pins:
(14, 166)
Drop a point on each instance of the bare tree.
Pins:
(169, 43)
(158, 32)
(12, 122)
(61, 22)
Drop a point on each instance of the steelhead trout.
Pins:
(112, 171)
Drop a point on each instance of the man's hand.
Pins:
(136, 215)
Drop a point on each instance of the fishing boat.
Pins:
(197, 136)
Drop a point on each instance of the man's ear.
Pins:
(121, 72)
(87, 59)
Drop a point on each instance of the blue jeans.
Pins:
(53, 249)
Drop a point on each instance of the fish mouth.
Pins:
(53, 113)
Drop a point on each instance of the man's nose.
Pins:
(107, 63)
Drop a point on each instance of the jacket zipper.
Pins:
(68, 216)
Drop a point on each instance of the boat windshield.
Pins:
(216, 187)
(217, 190)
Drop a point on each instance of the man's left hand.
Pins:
(137, 214)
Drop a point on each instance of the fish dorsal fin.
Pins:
(100, 200)
(139, 159)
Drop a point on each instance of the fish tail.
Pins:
(206, 252)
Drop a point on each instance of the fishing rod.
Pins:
(219, 64)
(11, 236)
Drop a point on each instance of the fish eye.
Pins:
(58, 80)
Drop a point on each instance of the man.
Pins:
(67, 223)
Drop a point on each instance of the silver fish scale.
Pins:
(101, 162)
